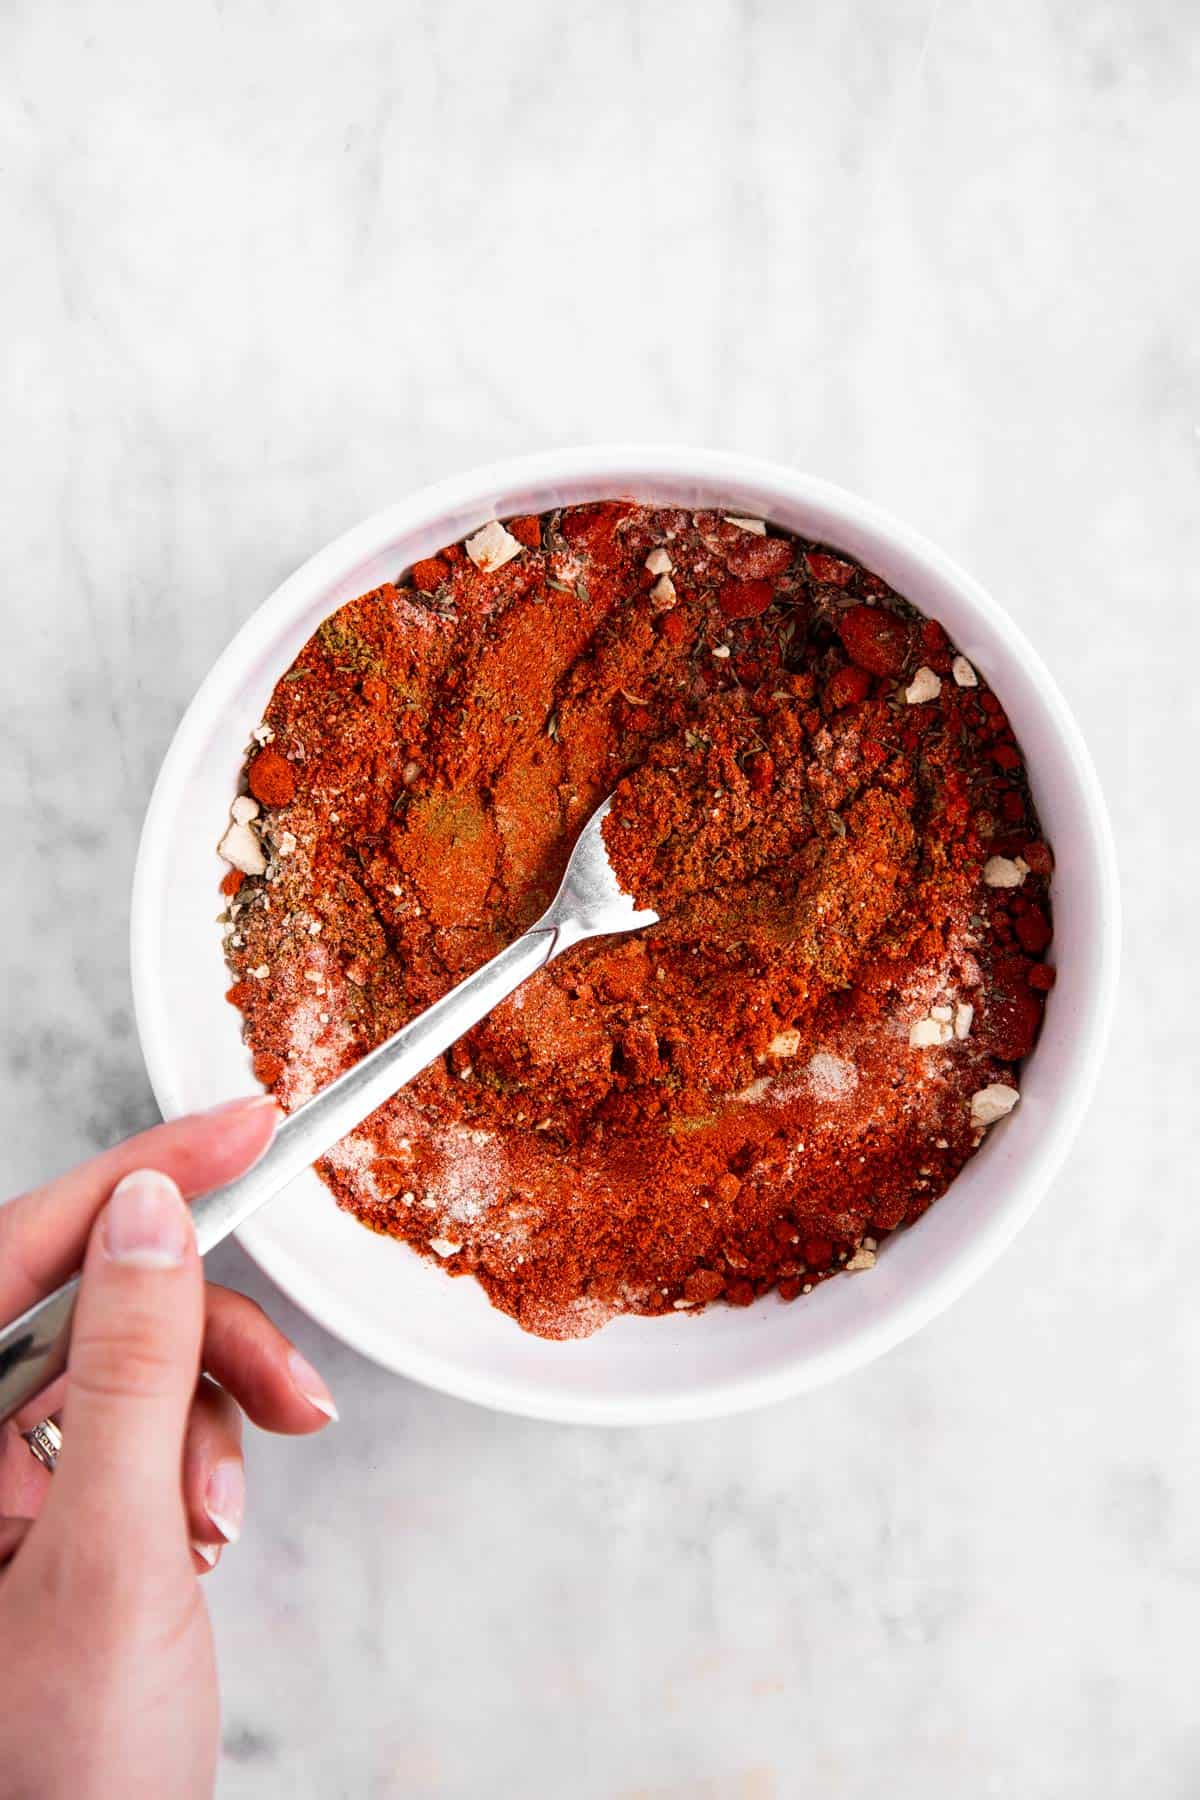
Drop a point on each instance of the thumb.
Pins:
(133, 1364)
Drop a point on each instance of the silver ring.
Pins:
(45, 1442)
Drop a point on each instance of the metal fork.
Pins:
(590, 903)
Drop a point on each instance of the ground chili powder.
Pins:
(824, 802)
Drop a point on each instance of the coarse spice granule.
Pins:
(820, 796)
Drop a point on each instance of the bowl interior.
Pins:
(376, 1293)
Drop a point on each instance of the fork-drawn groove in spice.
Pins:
(817, 792)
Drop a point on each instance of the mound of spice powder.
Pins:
(819, 795)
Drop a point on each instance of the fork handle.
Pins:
(33, 1349)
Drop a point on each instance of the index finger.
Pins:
(43, 1233)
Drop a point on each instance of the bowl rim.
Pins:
(621, 466)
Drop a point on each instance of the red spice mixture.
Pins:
(824, 802)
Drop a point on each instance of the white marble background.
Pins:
(267, 267)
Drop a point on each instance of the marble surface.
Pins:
(268, 268)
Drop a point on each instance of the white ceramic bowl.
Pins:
(376, 1293)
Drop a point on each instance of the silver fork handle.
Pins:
(318, 1125)
(33, 1349)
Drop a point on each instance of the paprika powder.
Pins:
(818, 794)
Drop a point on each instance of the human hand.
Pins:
(104, 1638)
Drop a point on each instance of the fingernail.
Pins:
(244, 1103)
(309, 1383)
(225, 1499)
(208, 1553)
(146, 1223)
